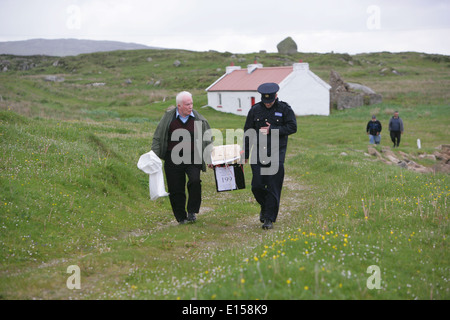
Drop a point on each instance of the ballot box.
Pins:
(228, 172)
(229, 177)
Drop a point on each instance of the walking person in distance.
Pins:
(396, 129)
(373, 129)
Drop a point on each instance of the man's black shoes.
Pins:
(267, 225)
(190, 219)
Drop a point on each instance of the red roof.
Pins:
(241, 80)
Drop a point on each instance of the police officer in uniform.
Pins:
(265, 117)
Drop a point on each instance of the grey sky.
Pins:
(239, 26)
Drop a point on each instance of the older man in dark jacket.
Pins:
(182, 140)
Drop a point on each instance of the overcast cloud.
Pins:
(239, 26)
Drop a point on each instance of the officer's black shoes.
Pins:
(182, 222)
(267, 225)
(191, 217)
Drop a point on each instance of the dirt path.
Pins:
(101, 271)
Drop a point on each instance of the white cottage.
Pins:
(236, 91)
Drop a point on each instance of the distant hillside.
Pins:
(64, 47)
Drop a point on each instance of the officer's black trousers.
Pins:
(176, 185)
(267, 191)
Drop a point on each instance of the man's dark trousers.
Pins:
(395, 137)
(267, 191)
(176, 185)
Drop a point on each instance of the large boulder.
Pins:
(360, 88)
(287, 46)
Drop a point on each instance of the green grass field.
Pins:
(71, 193)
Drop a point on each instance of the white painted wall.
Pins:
(230, 101)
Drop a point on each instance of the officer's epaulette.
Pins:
(284, 103)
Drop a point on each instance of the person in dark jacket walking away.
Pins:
(373, 129)
(267, 127)
(396, 129)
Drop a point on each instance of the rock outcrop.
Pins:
(404, 160)
(346, 95)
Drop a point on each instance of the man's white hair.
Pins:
(181, 95)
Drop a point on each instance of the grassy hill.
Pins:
(71, 193)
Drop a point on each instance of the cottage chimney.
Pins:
(253, 67)
(231, 68)
(301, 66)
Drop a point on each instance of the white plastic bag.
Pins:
(151, 164)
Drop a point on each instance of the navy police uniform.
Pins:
(280, 116)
